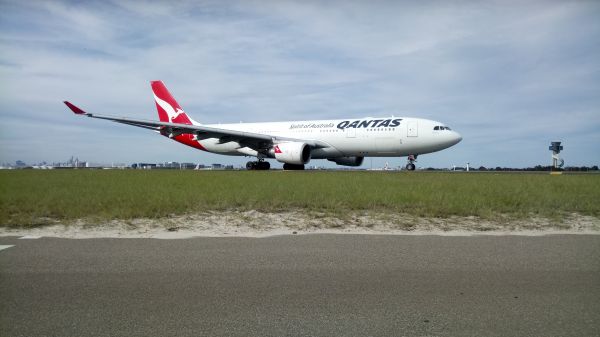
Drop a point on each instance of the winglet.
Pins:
(74, 108)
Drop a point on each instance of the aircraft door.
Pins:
(412, 129)
(350, 133)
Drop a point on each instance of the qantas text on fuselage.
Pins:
(345, 142)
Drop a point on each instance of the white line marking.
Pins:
(5, 246)
(29, 237)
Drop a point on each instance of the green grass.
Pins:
(29, 198)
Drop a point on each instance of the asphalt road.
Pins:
(314, 285)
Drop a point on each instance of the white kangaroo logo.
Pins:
(171, 113)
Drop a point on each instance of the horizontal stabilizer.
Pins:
(74, 108)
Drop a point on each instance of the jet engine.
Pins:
(291, 153)
(348, 161)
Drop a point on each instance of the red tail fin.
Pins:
(168, 108)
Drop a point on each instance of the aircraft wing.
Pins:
(252, 140)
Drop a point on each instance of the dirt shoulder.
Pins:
(258, 224)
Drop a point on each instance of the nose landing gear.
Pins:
(411, 162)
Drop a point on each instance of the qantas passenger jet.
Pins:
(343, 141)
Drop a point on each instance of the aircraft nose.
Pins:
(457, 137)
(453, 138)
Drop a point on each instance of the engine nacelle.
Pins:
(291, 153)
(348, 161)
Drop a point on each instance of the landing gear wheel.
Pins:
(410, 167)
(263, 165)
(293, 167)
(258, 165)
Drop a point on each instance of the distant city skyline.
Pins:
(91, 163)
(510, 77)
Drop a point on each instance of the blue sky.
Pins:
(509, 76)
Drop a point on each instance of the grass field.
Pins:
(31, 197)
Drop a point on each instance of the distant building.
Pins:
(187, 166)
(143, 166)
(171, 165)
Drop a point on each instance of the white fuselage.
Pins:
(364, 137)
(345, 142)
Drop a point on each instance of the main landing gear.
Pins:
(261, 164)
(411, 162)
(293, 167)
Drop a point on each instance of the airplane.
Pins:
(343, 141)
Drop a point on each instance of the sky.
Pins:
(510, 76)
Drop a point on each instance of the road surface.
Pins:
(307, 285)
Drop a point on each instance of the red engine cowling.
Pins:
(291, 153)
(348, 161)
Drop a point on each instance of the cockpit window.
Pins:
(436, 128)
